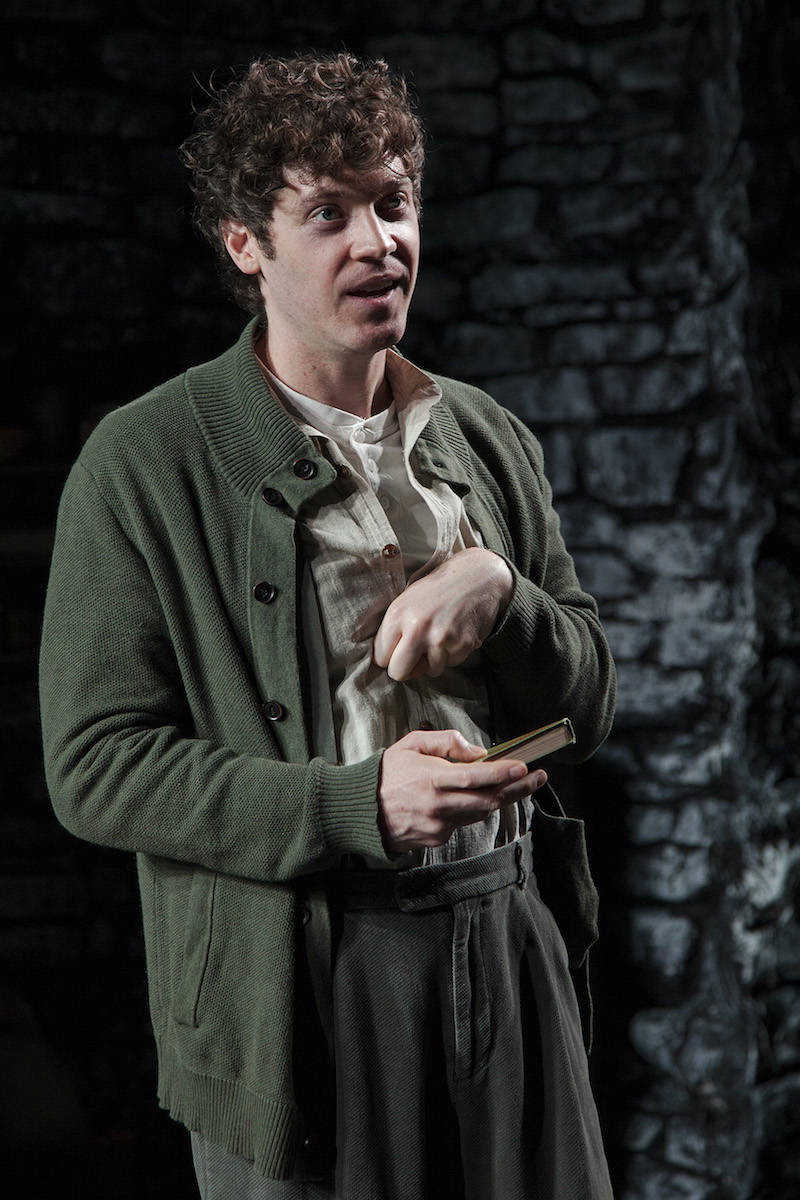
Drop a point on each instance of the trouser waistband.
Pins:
(417, 888)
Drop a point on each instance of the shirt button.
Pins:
(304, 914)
(305, 468)
(386, 502)
(390, 550)
(273, 711)
(359, 435)
(264, 592)
(272, 497)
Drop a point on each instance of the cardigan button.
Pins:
(273, 711)
(272, 497)
(305, 468)
(265, 592)
(390, 550)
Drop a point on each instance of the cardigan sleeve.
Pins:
(125, 764)
(548, 658)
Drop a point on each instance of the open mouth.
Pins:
(376, 292)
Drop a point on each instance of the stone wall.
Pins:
(593, 258)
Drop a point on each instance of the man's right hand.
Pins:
(431, 785)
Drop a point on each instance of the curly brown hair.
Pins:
(325, 116)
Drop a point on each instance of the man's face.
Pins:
(344, 265)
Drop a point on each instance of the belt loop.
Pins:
(522, 874)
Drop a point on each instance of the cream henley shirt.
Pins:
(383, 530)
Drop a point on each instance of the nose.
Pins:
(371, 236)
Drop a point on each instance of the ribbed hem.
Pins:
(265, 1131)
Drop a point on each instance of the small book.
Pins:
(530, 746)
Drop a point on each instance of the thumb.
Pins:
(449, 743)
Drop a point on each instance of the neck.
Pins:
(357, 385)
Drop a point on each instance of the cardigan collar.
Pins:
(257, 445)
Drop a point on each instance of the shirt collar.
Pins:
(414, 394)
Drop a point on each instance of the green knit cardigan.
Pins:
(175, 704)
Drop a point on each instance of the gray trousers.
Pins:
(460, 1062)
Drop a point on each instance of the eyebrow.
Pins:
(338, 193)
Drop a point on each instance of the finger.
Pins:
(441, 743)
(408, 659)
(480, 777)
(521, 789)
(384, 644)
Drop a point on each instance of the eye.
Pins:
(326, 214)
(396, 203)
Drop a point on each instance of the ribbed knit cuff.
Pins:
(512, 638)
(348, 807)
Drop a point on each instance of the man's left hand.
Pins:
(440, 619)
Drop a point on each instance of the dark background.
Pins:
(611, 248)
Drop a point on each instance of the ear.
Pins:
(242, 247)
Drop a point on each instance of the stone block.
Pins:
(460, 114)
(678, 549)
(435, 62)
(587, 524)
(649, 695)
(642, 1131)
(565, 312)
(515, 285)
(559, 462)
(692, 760)
(64, 12)
(534, 51)
(545, 397)
(707, 1149)
(234, 18)
(76, 112)
(595, 12)
(689, 332)
(88, 277)
(644, 62)
(605, 575)
(661, 943)
(691, 600)
(668, 276)
(547, 101)
(20, 208)
(26, 897)
(628, 639)
(646, 1179)
(177, 65)
(769, 873)
(501, 217)
(438, 296)
(41, 945)
(454, 169)
(667, 873)
(635, 467)
(660, 387)
(652, 157)
(481, 349)
(681, 550)
(682, 644)
(601, 342)
(562, 165)
(657, 1035)
(604, 210)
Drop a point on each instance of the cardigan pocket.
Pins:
(197, 944)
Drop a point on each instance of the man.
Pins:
(322, 582)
